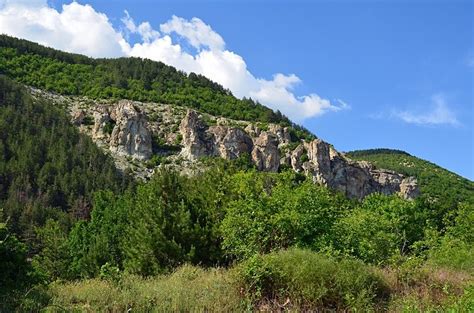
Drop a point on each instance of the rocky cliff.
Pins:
(316, 159)
(139, 134)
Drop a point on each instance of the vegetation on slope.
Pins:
(47, 168)
(439, 187)
(125, 78)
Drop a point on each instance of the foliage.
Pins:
(17, 275)
(275, 211)
(378, 228)
(310, 280)
(441, 190)
(284, 242)
(48, 170)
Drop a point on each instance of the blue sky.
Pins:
(367, 74)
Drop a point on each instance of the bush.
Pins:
(310, 281)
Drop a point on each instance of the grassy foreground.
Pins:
(291, 280)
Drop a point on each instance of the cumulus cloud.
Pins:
(145, 30)
(438, 114)
(195, 31)
(77, 28)
(80, 29)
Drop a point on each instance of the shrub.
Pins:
(310, 281)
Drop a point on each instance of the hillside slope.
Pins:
(126, 78)
(47, 168)
(435, 182)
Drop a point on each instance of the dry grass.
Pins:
(189, 289)
(298, 286)
(426, 289)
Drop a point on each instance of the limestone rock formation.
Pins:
(124, 129)
(77, 117)
(222, 141)
(130, 135)
(101, 118)
(296, 158)
(328, 167)
(195, 140)
(282, 133)
(265, 152)
(317, 159)
(229, 143)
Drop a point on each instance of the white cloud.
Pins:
(195, 31)
(144, 29)
(438, 114)
(80, 29)
(77, 28)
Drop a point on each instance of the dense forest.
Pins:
(75, 234)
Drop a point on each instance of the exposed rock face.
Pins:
(195, 143)
(124, 130)
(317, 159)
(409, 188)
(252, 130)
(296, 155)
(230, 143)
(78, 117)
(265, 152)
(223, 141)
(282, 134)
(101, 118)
(328, 167)
(130, 135)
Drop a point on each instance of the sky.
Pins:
(358, 74)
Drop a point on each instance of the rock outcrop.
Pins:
(229, 143)
(328, 167)
(265, 153)
(101, 120)
(77, 117)
(130, 135)
(316, 159)
(222, 141)
(124, 129)
(196, 142)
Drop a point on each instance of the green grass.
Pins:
(292, 280)
(188, 289)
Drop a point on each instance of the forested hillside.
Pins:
(124, 78)
(47, 168)
(437, 184)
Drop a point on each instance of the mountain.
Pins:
(138, 131)
(125, 78)
(441, 189)
(435, 182)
